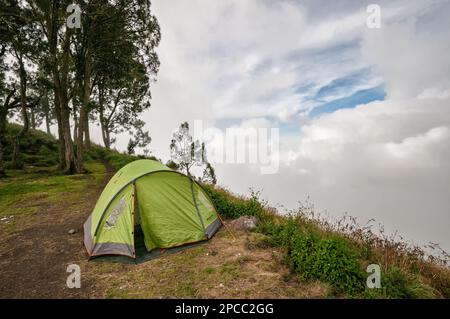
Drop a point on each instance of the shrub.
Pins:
(313, 255)
(331, 260)
(230, 206)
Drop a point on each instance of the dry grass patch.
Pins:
(220, 268)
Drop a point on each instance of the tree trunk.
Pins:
(2, 167)
(75, 125)
(83, 120)
(16, 163)
(32, 119)
(51, 19)
(80, 134)
(62, 145)
(47, 124)
(105, 135)
(60, 85)
(3, 121)
(72, 166)
(87, 136)
(46, 112)
(104, 125)
(3, 114)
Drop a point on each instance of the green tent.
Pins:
(168, 207)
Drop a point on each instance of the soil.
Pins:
(34, 258)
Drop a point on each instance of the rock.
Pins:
(72, 231)
(7, 219)
(244, 223)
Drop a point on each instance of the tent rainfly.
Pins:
(170, 208)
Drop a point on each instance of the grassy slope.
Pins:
(338, 254)
(284, 257)
(40, 180)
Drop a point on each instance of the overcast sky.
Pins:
(363, 114)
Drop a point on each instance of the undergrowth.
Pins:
(338, 253)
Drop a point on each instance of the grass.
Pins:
(300, 255)
(113, 157)
(24, 191)
(37, 148)
(216, 269)
(40, 183)
(337, 254)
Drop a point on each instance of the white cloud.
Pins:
(419, 148)
(412, 58)
(434, 93)
(255, 63)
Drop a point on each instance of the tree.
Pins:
(44, 111)
(140, 138)
(56, 37)
(209, 174)
(122, 73)
(101, 70)
(131, 145)
(120, 102)
(87, 40)
(184, 151)
(21, 40)
(7, 102)
(115, 60)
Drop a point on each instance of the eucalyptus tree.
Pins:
(110, 55)
(45, 108)
(5, 100)
(56, 38)
(21, 41)
(121, 100)
(8, 101)
(115, 60)
(124, 65)
(88, 41)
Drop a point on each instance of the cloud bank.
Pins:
(363, 113)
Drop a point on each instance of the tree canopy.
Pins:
(76, 64)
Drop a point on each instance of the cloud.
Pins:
(386, 160)
(249, 63)
(421, 58)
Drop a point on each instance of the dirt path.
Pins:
(34, 258)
